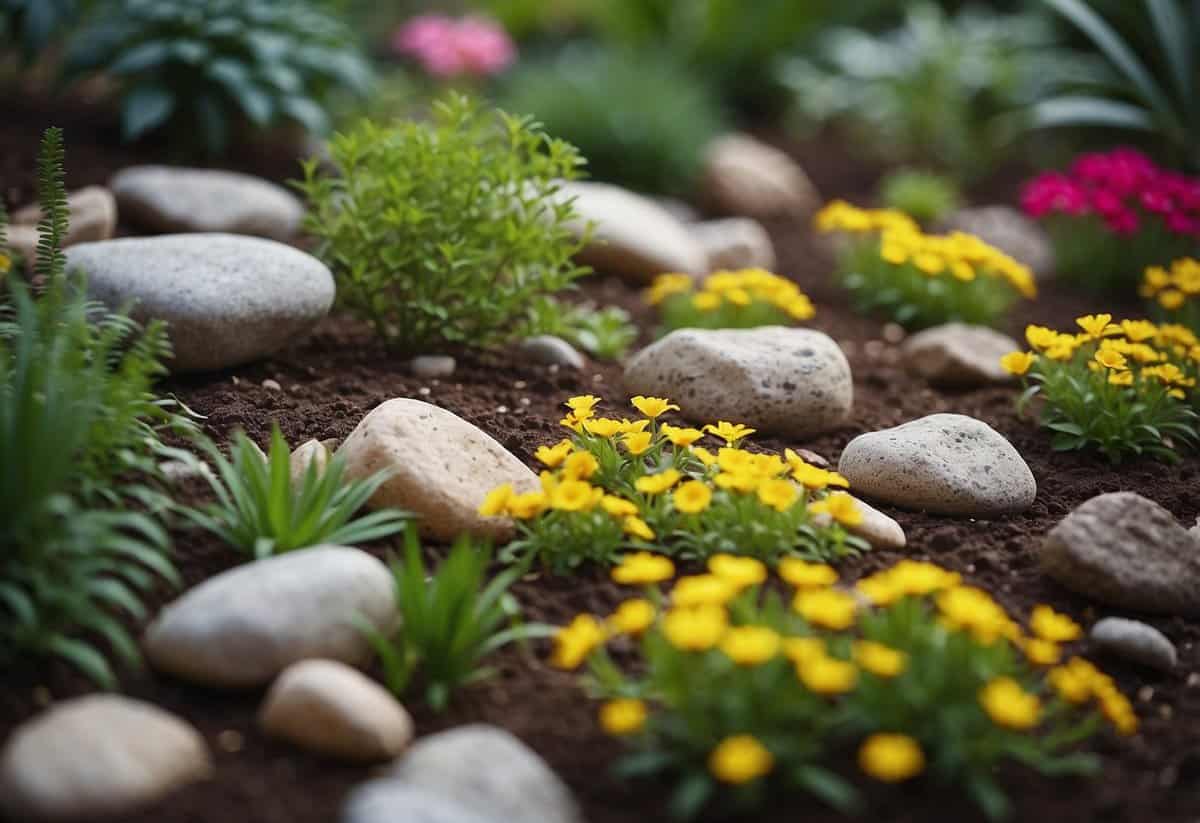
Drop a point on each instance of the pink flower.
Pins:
(1158, 201)
(1180, 223)
(445, 47)
(1122, 222)
(1107, 203)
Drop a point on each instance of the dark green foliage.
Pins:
(604, 333)
(32, 25)
(202, 67)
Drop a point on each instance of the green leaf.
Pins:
(1079, 110)
(142, 57)
(146, 108)
(1171, 26)
(86, 659)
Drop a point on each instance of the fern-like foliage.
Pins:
(52, 195)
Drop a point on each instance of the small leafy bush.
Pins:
(640, 119)
(446, 232)
(729, 687)
(450, 621)
(35, 24)
(604, 333)
(892, 268)
(1175, 292)
(262, 512)
(1113, 214)
(728, 300)
(926, 196)
(203, 67)
(1123, 389)
(618, 484)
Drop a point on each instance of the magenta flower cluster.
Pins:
(448, 47)
(1124, 188)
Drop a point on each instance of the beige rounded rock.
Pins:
(95, 758)
(958, 354)
(442, 468)
(333, 709)
(309, 453)
(93, 217)
(735, 243)
(881, 531)
(744, 176)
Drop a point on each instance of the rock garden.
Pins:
(600, 411)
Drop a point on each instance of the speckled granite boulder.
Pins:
(943, 464)
(735, 243)
(792, 382)
(744, 176)
(958, 354)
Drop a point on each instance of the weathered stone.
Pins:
(745, 176)
(881, 531)
(92, 212)
(310, 452)
(1136, 641)
(391, 801)
(549, 350)
(431, 366)
(959, 355)
(735, 243)
(1008, 230)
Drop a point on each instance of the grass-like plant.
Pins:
(1175, 290)
(444, 232)
(450, 621)
(892, 268)
(261, 511)
(739, 693)
(728, 300)
(925, 196)
(1124, 389)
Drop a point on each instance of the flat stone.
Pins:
(632, 236)
(333, 709)
(943, 464)
(959, 355)
(881, 531)
(244, 626)
(391, 801)
(228, 300)
(1136, 641)
(1008, 230)
(431, 366)
(735, 243)
(97, 757)
(1126, 551)
(744, 176)
(168, 200)
(442, 468)
(787, 381)
(93, 217)
(548, 350)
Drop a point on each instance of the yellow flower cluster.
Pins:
(737, 289)
(838, 215)
(1172, 287)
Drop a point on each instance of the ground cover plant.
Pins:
(927, 197)
(892, 268)
(605, 332)
(929, 674)
(1175, 292)
(728, 300)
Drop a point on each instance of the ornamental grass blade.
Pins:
(84, 658)
(1082, 110)
(1171, 26)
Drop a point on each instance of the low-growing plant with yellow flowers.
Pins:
(1175, 292)
(734, 683)
(1126, 388)
(893, 268)
(619, 483)
(728, 300)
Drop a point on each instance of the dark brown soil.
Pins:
(330, 380)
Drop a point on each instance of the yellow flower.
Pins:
(973, 610)
(891, 758)
(637, 527)
(827, 608)
(604, 427)
(574, 642)
(778, 494)
(740, 759)
(740, 571)
(1041, 652)
(681, 436)
(1017, 362)
(744, 482)
(553, 456)
(1138, 330)
(802, 574)
(929, 263)
(1120, 378)
(731, 433)
(1071, 684)
(696, 629)
(572, 422)
(1097, 325)
(750, 645)
(5, 263)
(637, 443)
(801, 650)
(580, 466)
(582, 406)
(841, 507)
(1171, 299)
(1040, 337)
(653, 407)
(643, 569)
(618, 506)
(666, 285)
(573, 496)
(633, 617)
(703, 455)
(528, 505)
(703, 590)
(1008, 705)
(692, 497)
(827, 675)
(496, 502)
(623, 716)
(657, 483)
(878, 659)
(632, 426)
(1111, 360)
(706, 301)
(1050, 625)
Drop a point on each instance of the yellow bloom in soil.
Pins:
(653, 407)
(703, 590)
(1017, 362)
(1050, 625)
(637, 527)
(668, 284)
(1097, 325)
(680, 436)
(5, 263)
(801, 574)
(801, 650)
(583, 406)
(1138, 330)
(706, 301)
(740, 571)
(553, 456)
(692, 497)
(1171, 299)
(740, 759)
(496, 502)
(731, 433)
(633, 616)
(891, 758)
(827, 676)
(1008, 705)
(1071, 684)
(618, 506)
(573, 496)
(1041, 337)
(528, 505)
(744, 482)
(1111, 360)
(633, 426)
(841, 507)
(1041, 652)
(703, 455)
(643, 569)
(735, 461)
(1120, 378)
(602, 426)
(778, 494)
(575, 641)
(622, 717)
(878, 659)
(827, 608)
(696, 629)
(637, 443)
(750, 645)
(580, 466)
(657, 483)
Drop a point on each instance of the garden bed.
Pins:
(331, 379)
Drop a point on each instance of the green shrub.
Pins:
(261, 511)
(925, 196)
(445, 231)
(34, 24)
(604, 333)
(204, 67)
(639, 117)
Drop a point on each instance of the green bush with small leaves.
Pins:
(445, 232)
(604, 333)
(925, 196)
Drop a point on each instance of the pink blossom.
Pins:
(445, 47)
(1122, 222)
(1157, 200)
(1180, 223)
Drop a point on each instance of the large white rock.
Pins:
(391, 801)
(227, 299)
(792, 382)
(735, 243)
(744, 176)
(334, 709)
(944, 464)
(442, 467)
(1124, 550)
(958, 354)
(244, 626)
(168, 199)
(631, 235)
(97, 757)
(93, 217)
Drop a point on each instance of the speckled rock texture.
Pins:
(442, 468)
(959, 355)
(93, 217)
(1008, 230)
(1126, 551)
(228, 299)
(735, 243)
(786, 381)
(744, 176)
(943, 464)
(168, 199)
(1136, 641)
